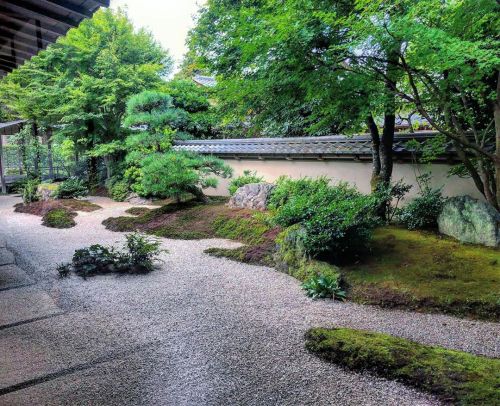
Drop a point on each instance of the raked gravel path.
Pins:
(200, 331)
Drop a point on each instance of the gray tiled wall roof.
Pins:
(304, 147)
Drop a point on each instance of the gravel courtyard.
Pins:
(199, 331)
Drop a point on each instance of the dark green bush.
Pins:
(138, 256)
(338, 220)
(71, 188)
(30, 194)
(423, 211)
(245, 179)
(59, 218)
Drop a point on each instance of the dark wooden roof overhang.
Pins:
(28, 26)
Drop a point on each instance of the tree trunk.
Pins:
(372, 127)
(2, 177)
(386, 147)
(50, 160)
(198, 194)
(92, 163)
(497, 136)
(387, 141)
(37, 151)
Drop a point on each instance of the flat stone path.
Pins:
(199, 331)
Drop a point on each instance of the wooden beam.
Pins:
(32, 42)
(9, 16)
(8, 64)
(22, 34)
(23, 47)
(19, 54)
(23, 7)
(8, 59)
(103, 3)
(67, 6)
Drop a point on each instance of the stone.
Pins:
(470, 221)
(135, 199)
(252, 196)
(46, 191)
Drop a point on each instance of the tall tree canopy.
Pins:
(295, 66)
(82, 82)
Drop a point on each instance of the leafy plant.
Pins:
(71, 188)
(245, 179)
(142, 252)
(423, 211)
(138, 256)
(324, 286)
(390, 196)
(30, 189)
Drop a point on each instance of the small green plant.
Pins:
(390, 196)
(245, 179)
(138, 256)
(59, 218)
(71, 188)
(324, 286)
(142, 252)
(30, 193)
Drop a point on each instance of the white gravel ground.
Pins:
(200, 331)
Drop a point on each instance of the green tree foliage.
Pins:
(173, 174)
(294, 66)
(84, 80)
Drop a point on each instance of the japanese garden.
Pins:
(305, 209)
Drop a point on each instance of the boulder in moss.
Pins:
(470, 221)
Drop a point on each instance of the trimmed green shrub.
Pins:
(71, 188)
(175, 173)
(324, 286)
(30, 188)
(456, 377)
(119, 191)
(59, 218)
(423, 211)
(338, 221)
(245, 179)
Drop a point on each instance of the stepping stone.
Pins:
(12, 276)
(6, 257)
(24, 304)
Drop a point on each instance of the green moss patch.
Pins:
(41, 208)
(137, 211)
(192, 221)
(454, 376)
(421, 270)
(59, 218)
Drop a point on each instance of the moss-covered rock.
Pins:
(470, 221)
(455, 376)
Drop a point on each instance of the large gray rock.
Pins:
(135, 199)
(471, 221)
(252, 196)
(47, 191)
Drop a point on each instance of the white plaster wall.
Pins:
(358, 173)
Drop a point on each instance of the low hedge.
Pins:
(454, 376)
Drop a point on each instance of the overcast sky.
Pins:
(168, 20)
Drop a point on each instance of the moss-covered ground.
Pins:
(454, 376)
(57, 213)
(59, 218)
(406, 269)
(422, 270)
(191, 220)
